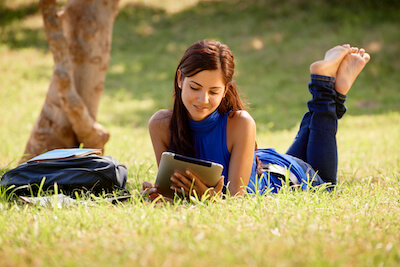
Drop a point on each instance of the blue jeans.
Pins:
(315, 142)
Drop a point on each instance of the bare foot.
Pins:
(349, 69)
(332, 59)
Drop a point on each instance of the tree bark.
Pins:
(79, 37)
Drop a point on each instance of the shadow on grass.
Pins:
(273, 41)
(15, 36)
(8, 15)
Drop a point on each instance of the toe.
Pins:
(366, 57)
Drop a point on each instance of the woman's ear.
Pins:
(180, 78)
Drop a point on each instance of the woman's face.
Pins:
(202, 93)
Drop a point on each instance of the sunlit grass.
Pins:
(295, 227)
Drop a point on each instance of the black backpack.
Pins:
(93, 173)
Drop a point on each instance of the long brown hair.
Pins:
(202, 55)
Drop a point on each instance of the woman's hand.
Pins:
(188, 184)
(150, 192)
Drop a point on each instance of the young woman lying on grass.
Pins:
(209, 121)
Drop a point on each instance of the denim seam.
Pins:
(322, 78)
(341, 96)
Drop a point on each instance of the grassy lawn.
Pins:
(274, 43)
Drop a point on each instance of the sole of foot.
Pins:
(349, 69)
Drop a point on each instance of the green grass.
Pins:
(357, 225)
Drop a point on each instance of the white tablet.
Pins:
(208, 172)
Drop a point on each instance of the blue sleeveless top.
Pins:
(210, 144)
(209, 137)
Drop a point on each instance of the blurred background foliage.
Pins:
(274, 43)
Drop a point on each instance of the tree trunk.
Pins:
(80, 41)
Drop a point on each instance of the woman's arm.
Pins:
(241, 140)
(159, 132)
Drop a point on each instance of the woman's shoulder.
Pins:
(240, 123)
(241, 129)
(159, 131)
(241, 118)
(161, 118)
